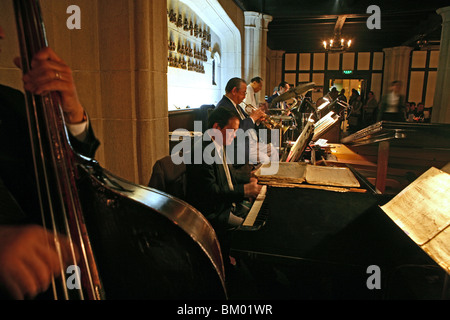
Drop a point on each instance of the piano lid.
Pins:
(420, 135)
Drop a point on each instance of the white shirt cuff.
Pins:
(78, 130)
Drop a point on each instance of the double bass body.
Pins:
(147, 243)
(134, 242)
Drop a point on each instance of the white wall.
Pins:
(188, 88)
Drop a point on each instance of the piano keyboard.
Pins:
(258, 213)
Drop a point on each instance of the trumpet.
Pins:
(268, 121)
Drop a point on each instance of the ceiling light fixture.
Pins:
(421, 42)
(337, 43)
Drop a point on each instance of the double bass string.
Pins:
(67, 191)
(32, 36)
(65, 169)
(63, 193)
(63, 172)
(22, 17)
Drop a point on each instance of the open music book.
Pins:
(303, 173)
(422, 211)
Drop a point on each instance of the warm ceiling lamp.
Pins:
(421, 42)
(337, 43)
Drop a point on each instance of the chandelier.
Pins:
(337, 43)
(421, 42)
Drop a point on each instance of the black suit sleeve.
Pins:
(88, 146)
(208, 191)
(210, 184)
(18, 192)
(11, 212)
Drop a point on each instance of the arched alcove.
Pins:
(226, 53)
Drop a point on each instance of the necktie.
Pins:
(230, 183)
(241, 115)
(227, 170)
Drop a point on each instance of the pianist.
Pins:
(212, 187)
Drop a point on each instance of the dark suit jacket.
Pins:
(245, 124)
(208, 191)
(17, 180)
(279, 105)
(275, 95)
(169, 177)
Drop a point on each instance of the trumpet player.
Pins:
(235, 93)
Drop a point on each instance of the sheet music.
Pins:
(422, 211)
(300, 172)
(331, 176)
(323, 124)
(302, 141)
(288, 172)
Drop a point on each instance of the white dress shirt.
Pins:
(232, 218)
(250, 98)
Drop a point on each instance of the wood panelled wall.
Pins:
(321, 67)
(422, 77)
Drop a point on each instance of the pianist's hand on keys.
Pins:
(252, 189)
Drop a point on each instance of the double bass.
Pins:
(128, 241)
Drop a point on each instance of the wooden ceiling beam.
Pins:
(339, 24)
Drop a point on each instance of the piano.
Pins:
(318, 242)
(258, 214)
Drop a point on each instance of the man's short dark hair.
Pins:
(234, 83)
(282, 84)
(256, 79)
(221, 116)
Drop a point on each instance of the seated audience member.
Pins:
(411, 112)
(419, 114)
(406, 110)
